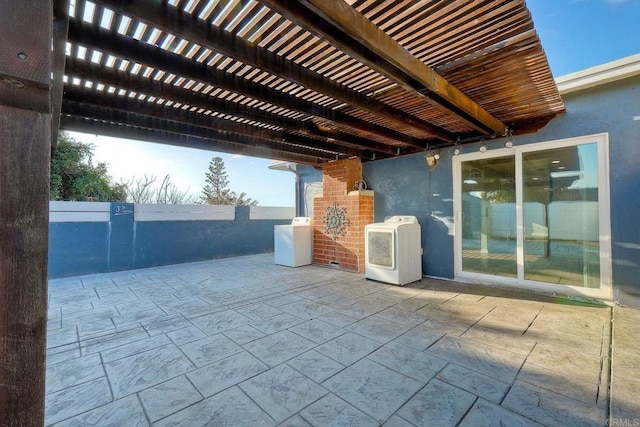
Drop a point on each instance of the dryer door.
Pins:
(380, 248)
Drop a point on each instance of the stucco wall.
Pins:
(80, 244)
(171, 242)
(77, 248)
(405, 186)
(613, 108)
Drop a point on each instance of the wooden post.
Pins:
(24, 230)
(25, 140)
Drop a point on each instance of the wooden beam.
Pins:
(80, 124)
(346, 28)
(149, 87)
(25, 66)
(25, 136)
(76, 98)
(500, 46)
(173, 128)
(133, 50)
(174, 21)
(60, 29)
(177, 120)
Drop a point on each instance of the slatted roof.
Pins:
(306, 81)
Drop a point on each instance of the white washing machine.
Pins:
(393, 250)
(293, 243)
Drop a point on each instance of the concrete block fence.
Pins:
(94, 237)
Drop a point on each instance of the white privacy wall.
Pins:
(568, 220)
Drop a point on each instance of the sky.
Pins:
(575, 34)
(186, 168)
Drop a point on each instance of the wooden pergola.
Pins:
(306, 81)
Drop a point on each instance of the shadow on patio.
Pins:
(241, 341)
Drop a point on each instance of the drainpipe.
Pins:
(293, 168)
(289, 167)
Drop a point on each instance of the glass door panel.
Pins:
(560, 216)
(489, 216)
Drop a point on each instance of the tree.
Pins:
(75, 177)
(170, 194)
(139, 190)
(215, 191)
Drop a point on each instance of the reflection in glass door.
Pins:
(489, 216)
(561, 231)
(536, 215)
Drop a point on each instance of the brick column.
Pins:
(345, 251)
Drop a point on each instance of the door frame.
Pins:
(604, 222)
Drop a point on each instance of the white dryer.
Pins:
(393, 250)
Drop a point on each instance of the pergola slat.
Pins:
(177, 119)
(380, 76)
(356, 35)
(81, 124)
(125, 47)
(171, 20)
(150, 86)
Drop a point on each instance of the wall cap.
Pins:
(368, 193)
(600, 74)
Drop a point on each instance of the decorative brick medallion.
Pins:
(335, 220)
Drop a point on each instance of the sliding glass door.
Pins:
(535, 215)
(561, 228)
(488, 216)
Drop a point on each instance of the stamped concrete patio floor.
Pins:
(243, 342)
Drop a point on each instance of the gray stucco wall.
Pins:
(121, 244)
(405, 186)
(613, 108)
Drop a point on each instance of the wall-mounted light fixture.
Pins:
(510, 140)
(483, 148)
(432, 159)
(457, 151)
